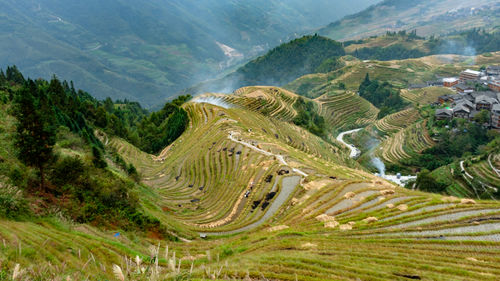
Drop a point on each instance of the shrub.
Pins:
(66, 171)
(12, 203)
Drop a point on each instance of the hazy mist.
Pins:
(149, 50)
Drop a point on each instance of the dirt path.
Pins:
(280, 158)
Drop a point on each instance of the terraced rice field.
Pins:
(482, 178)
(204, 170)
(271, 101)
(395, 122)
(344, 109)
(485, 171)
(405, 143)
(329, 222)
(426, 95)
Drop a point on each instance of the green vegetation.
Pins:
(334, 222)
(382, 95)
(36, 129)
(397, 46)
(308, 117)
(426, 182)
(329, 65)
(290, 61)
(455, 139)
(54, 132)
(160, 128)
(428, 17)
(281, 65)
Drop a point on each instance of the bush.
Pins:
(12, 203)
(66, 171)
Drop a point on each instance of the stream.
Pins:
(355, 152)
(377, 162)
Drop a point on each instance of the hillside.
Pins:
(400, 73)
(149, 50)
(270, 207)
(428, 17)
(277, 67)
(404, 45)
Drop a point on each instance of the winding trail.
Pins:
(280, 158)
(355, 152)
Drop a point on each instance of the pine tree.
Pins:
(3, 79)
(35, 128)
(14, 75)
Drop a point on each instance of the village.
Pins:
(478, 92)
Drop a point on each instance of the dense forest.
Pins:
(51, 116)
(383, 95)
(290, 61)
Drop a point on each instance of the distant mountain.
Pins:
(428, 17)
(148, 50)
(279, 66)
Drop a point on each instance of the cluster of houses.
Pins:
(468, 102)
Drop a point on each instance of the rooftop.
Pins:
(461, 107)
(471, 72)
(450, 80)
(444, 111)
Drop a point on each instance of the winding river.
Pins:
(355, 152)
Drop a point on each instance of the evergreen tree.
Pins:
(35, 128)
(14, 75)
(3, 79)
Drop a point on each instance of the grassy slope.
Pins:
(307, 249)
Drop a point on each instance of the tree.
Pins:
(426, 182)
(2, 77)
(101, 117)
(14, 75)
(36, 130)
(482, 117)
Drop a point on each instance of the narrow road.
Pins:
(355, 152)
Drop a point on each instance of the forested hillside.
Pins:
(281, 65)
(52, 152)
(149, 50)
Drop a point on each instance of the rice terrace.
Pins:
(311, 140)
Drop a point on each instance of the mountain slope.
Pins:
(428, 17)
(148, 50)
(277, 67)
(265, 205)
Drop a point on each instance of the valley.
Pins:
(372, 158)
